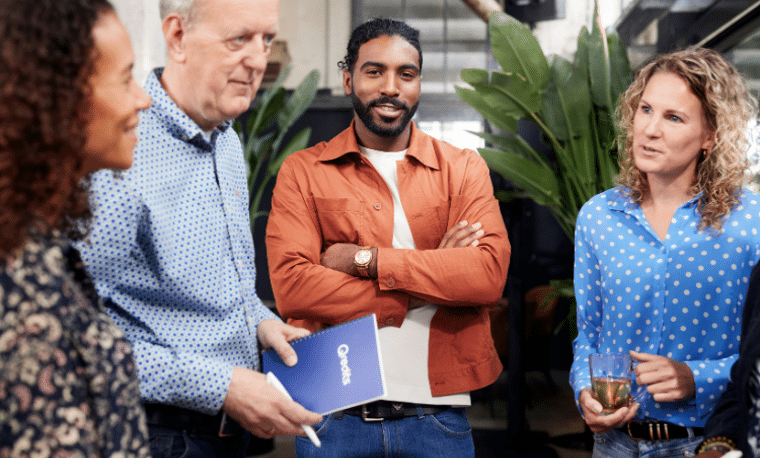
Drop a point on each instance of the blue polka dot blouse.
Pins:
(681, 297)
(171, 253)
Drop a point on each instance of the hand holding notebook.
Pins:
(338, 367)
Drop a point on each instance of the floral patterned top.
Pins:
(68, 381)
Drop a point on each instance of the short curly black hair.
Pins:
(376, 28)
(47, 55)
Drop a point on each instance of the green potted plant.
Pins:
(572, 103)
(573, 106)
(269, 121)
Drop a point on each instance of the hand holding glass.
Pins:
(611, 380)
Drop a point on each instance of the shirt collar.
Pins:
(177, 122)
(421, 146)
(619, 200)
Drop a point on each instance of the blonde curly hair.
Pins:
(727, 106)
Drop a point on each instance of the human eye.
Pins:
(269, 39)
(674, 118)
(237, 41)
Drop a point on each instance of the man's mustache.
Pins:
(388, 101)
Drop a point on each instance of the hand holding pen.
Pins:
(275, 382)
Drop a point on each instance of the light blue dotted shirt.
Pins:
(171, 252)
(681, 298)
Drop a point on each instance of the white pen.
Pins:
(275, 382)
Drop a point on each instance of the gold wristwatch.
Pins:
(362, 258)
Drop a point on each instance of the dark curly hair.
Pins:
(47, 54)
(372, 29)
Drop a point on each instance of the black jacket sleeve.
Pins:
(731, 416)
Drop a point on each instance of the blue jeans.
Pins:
(617, 444)
(175, 443)
(445, 434)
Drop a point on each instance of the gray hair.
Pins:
(185, 8)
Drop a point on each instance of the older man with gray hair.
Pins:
(171, 250)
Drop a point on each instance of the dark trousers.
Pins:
(175, 443)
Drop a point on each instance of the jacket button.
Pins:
(390, 282)
(378, 206)
(390, 321)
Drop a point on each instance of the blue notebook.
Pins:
(338, 367)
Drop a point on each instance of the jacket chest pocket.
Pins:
(340, 219)
(430, 224)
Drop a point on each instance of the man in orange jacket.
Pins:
(385, 219)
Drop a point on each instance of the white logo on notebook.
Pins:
(342, 352)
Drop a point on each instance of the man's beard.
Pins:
(363, 112)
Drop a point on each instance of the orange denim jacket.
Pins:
(330, 194)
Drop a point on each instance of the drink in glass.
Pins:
(611, 380)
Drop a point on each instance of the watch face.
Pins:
(363, 257)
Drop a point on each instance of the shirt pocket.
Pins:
(429, 224)
(339, 218)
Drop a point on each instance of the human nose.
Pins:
(257, 53)
(652, 126)
(142, 99)
(390, 86)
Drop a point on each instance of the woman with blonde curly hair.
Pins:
(662, 261)
(68, 107)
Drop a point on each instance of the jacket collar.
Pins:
(421, 146)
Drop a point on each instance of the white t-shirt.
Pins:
(405, 349)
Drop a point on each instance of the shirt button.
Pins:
(389, 321)
(390, 282)
(378, 206)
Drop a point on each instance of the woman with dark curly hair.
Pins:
(68, 106)
(663, 260)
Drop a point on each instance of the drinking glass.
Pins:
(611, 380)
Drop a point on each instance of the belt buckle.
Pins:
(656, 431)
(631, 433)
(365, 413)
(222, 425)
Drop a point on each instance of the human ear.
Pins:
(174, 29)
(709, 141)
(347, 82)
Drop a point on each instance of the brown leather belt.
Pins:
(640, 430)
(388, 410)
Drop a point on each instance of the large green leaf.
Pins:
(300, 141)
(495, 115)
(575, 114)
(566, 104)
(517, 50)
(297, 103)
(272, 103)
(509, 103)
(510, 93)
(538, 181)
(299, 100)
(599, 64)
(574, 101)
(256, 120)
(475, 76)
(621, 75)
(515, 144)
